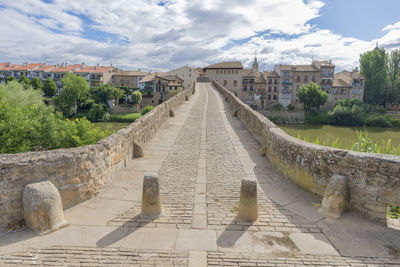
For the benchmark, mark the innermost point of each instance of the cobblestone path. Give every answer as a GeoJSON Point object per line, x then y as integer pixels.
{"type": "Point", "coordinates": [201, 155]}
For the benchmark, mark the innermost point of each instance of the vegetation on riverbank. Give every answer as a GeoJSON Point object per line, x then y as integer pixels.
{"type": "Point", "coordinates": [28, 124]}
{"type": "Point", "coordinates": [363, 144]}
{"type": "Point", "coordinates": [353, 112]}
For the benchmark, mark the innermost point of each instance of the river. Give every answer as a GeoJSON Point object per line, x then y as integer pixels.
{"type": "Point", "coordinates": [347, 135]}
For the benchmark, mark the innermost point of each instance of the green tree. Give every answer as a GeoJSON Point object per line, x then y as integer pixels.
{"type": "Point", "coordinates": [312, 96]}
{"type": "Point", "coordinates": [96, 112]}
{"type": "Point", "coordinates": [393, 92]}
{"type": "Point", "coordinates": [136, 98]}
{"type": "Point", "coordinates": [75, 90]}
{"type": "Point", "coordinates": [49, 87]}
{"type": "Point", "coordinates": [101, 93]}
{"type": "Point", "coordinates": [36, 83]}
{"type": "Point", "coordinates": [10, 79]}
{"type": "Point", "coordinates": [117, 94]}
{"type": "Point", "coordinates": [27, 124]}
{"type": "Point", "coordinates": [23, 79]}
{"type": "Point", "coordinates": [373, 65]}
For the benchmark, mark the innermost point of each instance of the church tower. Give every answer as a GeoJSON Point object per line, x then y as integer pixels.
{"type": "Point", "coordinates": [254, 67]}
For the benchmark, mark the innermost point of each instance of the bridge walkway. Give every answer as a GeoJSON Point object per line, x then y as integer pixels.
{"type": "Point", "coordinates": [201, 155]}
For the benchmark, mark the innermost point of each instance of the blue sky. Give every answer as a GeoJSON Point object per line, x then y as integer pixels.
{"type": "Point", "coordinates": [162, 35]}
{"type": "Point", "coordinates": [363, 19]}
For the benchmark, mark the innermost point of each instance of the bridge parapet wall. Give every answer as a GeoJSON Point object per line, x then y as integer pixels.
{"type": "Point", "coordinates": [78, 173]}
{"type": "Point", "coordinates": [373, 179]}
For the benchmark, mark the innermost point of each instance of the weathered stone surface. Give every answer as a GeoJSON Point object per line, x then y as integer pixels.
{"type": "Point", "coordinates": [43, 208]}
{"type": "Point", "coordinates": [248, 210]}
{"type": "Point", "coordinates": [78, 173]}
{"type": "Point", "coordinates": [374, 179]}
{"type": "Point", "coordinates": [151, 198]}
{"type": "Point", "coordinates": [137, 150]}
{"type": "Point", "coordinates": [335, 196]}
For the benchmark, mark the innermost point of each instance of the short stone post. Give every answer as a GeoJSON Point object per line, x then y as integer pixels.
{"type": "Point", "coordinates": [171, 113]}
{"type": "Point", "coordinates": [235, 113]}
{"type": "Point", "coordinates": [186, 98]}
{"type": "Point", "coordinates": [248, 210]}
{"type": "Point", "coordinates": [151, 199]}
{"type": "Point", "coordinates": [137, 150]}
{"type": "Point", "coordinates": [43, 209]}
{"type": "Point", "coordinates": [334, 197]}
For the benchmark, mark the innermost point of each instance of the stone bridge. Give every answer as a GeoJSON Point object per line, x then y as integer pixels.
{"type": "Point", "coordinates": [201, 154]}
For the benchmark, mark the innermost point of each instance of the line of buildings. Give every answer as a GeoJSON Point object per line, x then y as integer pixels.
{"type": "Point", "coordinates": [264, 90]}
{"type": "Point", "coordinates": [160, 83]}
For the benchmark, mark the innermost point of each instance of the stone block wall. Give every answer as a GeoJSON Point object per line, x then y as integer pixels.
{"type": "Point", "coordinates": [78, 173]}
{"type": "Point", "coordinates": [373, 179]}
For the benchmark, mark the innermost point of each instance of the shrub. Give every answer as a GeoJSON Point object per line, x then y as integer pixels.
{"type": "Point", "coordinates": [130, 117]}
{"type": "Point", "coordinates": [278, 107]}
{"type": "Point", "coordinates": [393, 119]}
{"type": "Point", "coordinates": [377, 120]}
{"type": "Point", "coordinates": [290, 107]}
{"type": "Point", "coordinates": [381, 109]}
{"type": "Point", "coordinates": [393, 212]}
{"type": "Point", "coordinates": [318, 118]}
{"type": "Point", "coordinates": [96, 112]}
{"type": "Point", "coordinates": [27, 124]}
{"type": "Point", "coordinates": [348, 112]}
{"type": "Point", "coordinates": [146, 109]}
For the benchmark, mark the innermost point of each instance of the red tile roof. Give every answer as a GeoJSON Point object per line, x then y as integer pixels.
{"type": "Point", "coordinates": [46, 68]}
{"type": "Point", "coordinates": [101, 69]}
{"type": "Point", "coordinates": [69, 68]}
{"type": "Point", "coordinates": [3, 63]}
{"type": "Point", "coordinates": [87, 69]}
{"type": "Point", "coordinates": [28, 67]}
{"type": "Point", "coordinates": [10, 67]}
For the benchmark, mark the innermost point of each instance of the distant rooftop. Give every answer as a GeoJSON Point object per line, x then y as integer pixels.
{"type": "Point", "coordinates": [226, 65]}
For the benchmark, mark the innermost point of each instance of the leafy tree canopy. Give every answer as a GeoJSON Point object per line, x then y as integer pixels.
{"type": "Point", "coordinates": [36, 83]}
{"type": "Point", "coordinates": [49, 87]}
{"type": "Point", "coordinates": [312, 96]}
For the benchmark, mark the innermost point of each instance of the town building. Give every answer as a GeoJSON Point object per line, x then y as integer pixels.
{"type": "Point", "coordinates": [163, 85]}
{"type": "Point", "coordinates": [129, 79]}
{"type": "Point", "coordinates": [187, 74]}
{"type": "Point", "coordinates": [294, 76]}
{"type": "Point", "coordinates": [228, 74]}
{"type": "Point", "coordinates": [355, 80]}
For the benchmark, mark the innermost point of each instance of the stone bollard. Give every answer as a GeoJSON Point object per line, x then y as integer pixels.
{"type": "Point", "coordinates": [334, 197]}
{"type": "Point", "coordinates": [235, 113]}
{"type": "Point", "coordinates": [186, 98]}
{"type": "Point", "coordinates": [171, 113]}
{"type": "Point", "coordinates": [151, 199]}
{"type": "Point", "coordinates": [248, 210]}
{"type": "Point", "coordinates": [137, 150]}
{"type": "Point", "coordinates": [43, 209]}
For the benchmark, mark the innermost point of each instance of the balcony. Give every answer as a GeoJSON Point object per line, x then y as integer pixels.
{"type": "Point", "coordinates": [286, 83]}
{"type": "Point", "coordinates": [327, 75]}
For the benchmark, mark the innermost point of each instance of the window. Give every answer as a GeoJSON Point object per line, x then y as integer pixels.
{"type": "Point", "coordinates": [270, 81]}
{"type": "Point", "coordinates": [286, 74]}
{"type": "Point", "coordinates": [229, 72]}
{"type": "Point", "coordinates": [313, 78]}
{"type": "Point", "coordinates": [275, 89]}
{"type": "Point", "coordinates": [251, 87]}
{"type": "Point", "coordinates": [276, 81]}
{"type": "Point", "coordinates": [298, 79]}
{"type": "Point", "coordinates": [306, 78]}
{"type": "Point", "coordinates": [234, 83]}
{"type": "Point", "coordinates": [269, 97]}
{"type": "Point", "coordinates": [176, 87]}
{"type": "Point", "coordinates": [225, 83]}
{"type": "Point", "coordinates": [269, 88]}
{"type": "Point", "coordinates": [297, 86]}
{"type": "Point", "coordinates": [217, 71]}
{"type": "Point", "coordinates": [236, 72]}
{"type": "Point", "coordinates": [274, 97]}
{"type": "Point", "coordinates": [224, 71]}
{"type": "Point", "coordinates": [245, 88]}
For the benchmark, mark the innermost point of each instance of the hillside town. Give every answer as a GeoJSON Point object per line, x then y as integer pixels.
{"type": "Point", "coordinates": [261, 90]}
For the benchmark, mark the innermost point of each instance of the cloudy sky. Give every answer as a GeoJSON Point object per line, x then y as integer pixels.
{"type": "Point", "coordinates": [162, 35]}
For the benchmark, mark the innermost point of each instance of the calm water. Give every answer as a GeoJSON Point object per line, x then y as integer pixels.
{"type": "Point", "coordinates": [347, 135]}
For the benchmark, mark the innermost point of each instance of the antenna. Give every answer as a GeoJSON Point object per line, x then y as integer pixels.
{"type": "Point", "coordinates": [312, 58]}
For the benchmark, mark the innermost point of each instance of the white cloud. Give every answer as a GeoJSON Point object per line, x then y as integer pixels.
{"type": "Point", "coordinates": [143, 34]}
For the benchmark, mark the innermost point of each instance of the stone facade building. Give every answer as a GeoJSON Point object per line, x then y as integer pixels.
{"type": "Point", "coordinates": [187, 74]}
{"type": "Point", "coordinates": [129, 79]}
{"type": "Point", "coordinates": [228, 74]}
